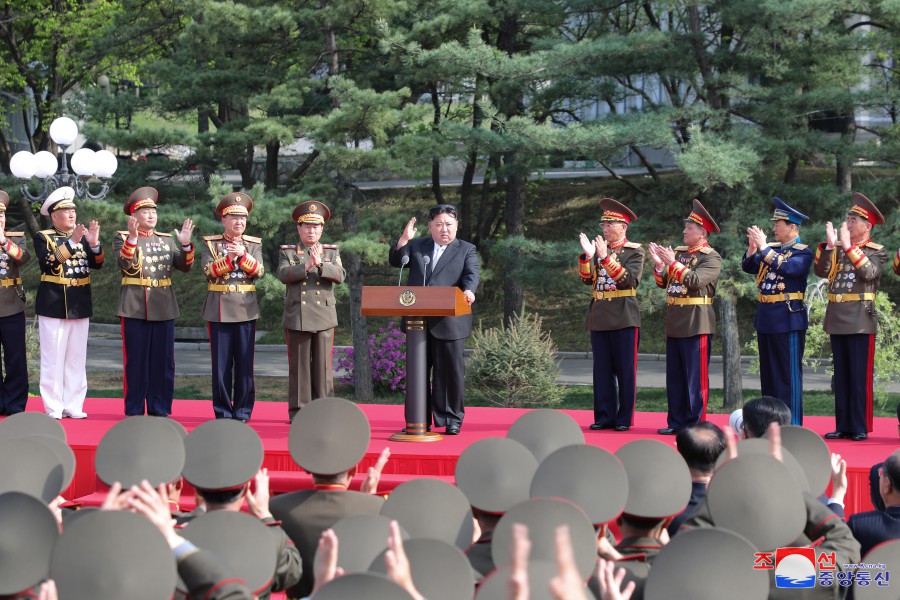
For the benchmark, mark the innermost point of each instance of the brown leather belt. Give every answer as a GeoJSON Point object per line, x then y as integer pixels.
{"type": "Point", "coordinates": [698, 300]}
{"type": "Point", "coordinates": [614, 294]}
{"type": "Point", "coordinates": [146, 282]}
{"type": "Point", "coordinates": [772, 298]}
{"type": "Point", "coordinates": [851, 297]}
{"type": "Point", "coordinates": [66, 280]}
{"type": "Point", "coordinates": [10, 282]}
{"type": "Point", "coordinates": [230, 288]}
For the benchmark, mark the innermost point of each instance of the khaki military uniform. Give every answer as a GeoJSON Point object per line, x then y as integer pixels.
{"type": "Point", "coordinates": [310, 316]}
{"type": "Point", "coordinates": [14, 387]}
{"type": "Point", "coordinates": [231, 310]}
{"type": "Point", "coordinates": [148, 308]}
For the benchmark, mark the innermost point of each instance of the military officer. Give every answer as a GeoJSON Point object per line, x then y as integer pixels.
{"type": "Point", "coordinates": [13, 254]}
{"type": "Point", "coordinates": [612, 266]}
{"type": "Point", "coordinates": [852, 262]}
{"type": "Point", "coordinates": [310, 269]}
{"type": "Point", "coordinates": [232, 262]}
{"type": "Point", "coordinates": [689, 275]}
{"type": "Point", "coordinates": [147, 304]}
{"type": "Point", "coordinates": [66, 254]}
{"type": "Point", "coordinates": [781, 271]}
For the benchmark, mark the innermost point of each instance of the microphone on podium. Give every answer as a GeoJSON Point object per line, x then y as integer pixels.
{"type": "Point", "coordinates": [403, 262]}
{"type": "Point", "coordinates": [425, 259]}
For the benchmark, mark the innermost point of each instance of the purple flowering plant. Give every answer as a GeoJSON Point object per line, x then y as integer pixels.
{"type": "Point", "coordinates": [387, 356]}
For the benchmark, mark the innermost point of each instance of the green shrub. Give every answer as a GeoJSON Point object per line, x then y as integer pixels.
{"type": "Point", "coordinates": [514, 366]}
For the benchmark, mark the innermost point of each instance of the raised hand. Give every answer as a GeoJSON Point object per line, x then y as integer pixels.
{"type": "Point", "coordinates": [235, 250]}
{"type": "Point", "coordinates": [258, 499]}
{"type": "Point", "coordinates": [132, 228]}
{"type": "Point", "coordinates": [93, 234]}
{"type": "Point", "coordinates": [315, 257]}
{"type": "Point", "coordinates": [373, 475]}
{"type": "Point", "coordinates": [830, 235]}
{"type": "Point", "coordinates": [587, 247]}
{"type": "Point", "coordinates": [409, 232]}
{"type": "Point", "coordinates": [845, 236]}
{"type": "Point", "coordinates": [602, 248]}
{"type": "Point", "coordinates": [184, 235]}
{"type": "Point", "coordinates": [666, 255]}
{"type": "Point", "coordinates": [654, 254]}
{"type": "Point", "coordinates": [78, 233]}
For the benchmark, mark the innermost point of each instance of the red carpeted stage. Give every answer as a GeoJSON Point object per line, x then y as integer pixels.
{"type": "Point", "coordinates": [435, 459]}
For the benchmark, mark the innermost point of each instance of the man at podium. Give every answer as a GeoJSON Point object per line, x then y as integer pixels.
{"type": "Point", "coordinates": [442, 260]}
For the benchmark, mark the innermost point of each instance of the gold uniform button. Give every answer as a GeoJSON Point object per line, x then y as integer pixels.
{"type": "Point", "coordinates": [317, 293]}
{"type": "Point", "coordinates": [304, 302]}
{"type": "Point", "coordinates": [302, 292]}
{"type": "Point", "coordinates": [304, 283]}
{"type": "Point", "coordinates": [317, 302]}
{"type": "Point", "coordinates": [318, 283]}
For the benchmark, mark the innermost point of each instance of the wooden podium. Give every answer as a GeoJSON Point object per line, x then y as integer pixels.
{"type": "Point", "coordinates": [415, 303]}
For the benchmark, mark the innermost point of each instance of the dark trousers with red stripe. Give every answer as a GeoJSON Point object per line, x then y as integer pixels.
{"type": "Point", "coordinates": [148, 348]}
{"type": "Point", "coordinates": [14, 387]}
{"type": "Point", "coordinates": [854, 369]}
{"type": "Point", "coordinates": [231, 347]}
{"type": "Point", "coordinates": [781, 369]}
{"type": "Point", "coordinates": [615, 375]}
{"type": "Point", "coordinates": [687, 379]}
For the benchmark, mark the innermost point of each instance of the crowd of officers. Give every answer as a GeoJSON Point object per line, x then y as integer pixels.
{"type": "Point", "coordinates": [848, 258]}
{"type": "Point", "coordinates": [232, 263]}
{"type": "Point", "coordinates": [535, 514]}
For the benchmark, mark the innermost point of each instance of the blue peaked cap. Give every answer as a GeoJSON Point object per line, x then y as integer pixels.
{"type": "Point", "coordinates": [783, 212]}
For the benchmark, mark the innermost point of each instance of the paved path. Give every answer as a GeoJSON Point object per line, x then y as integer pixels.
{"type": "Point", "coordinates": [194, 359]}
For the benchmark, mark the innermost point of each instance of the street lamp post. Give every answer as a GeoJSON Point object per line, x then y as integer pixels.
{"type": "Point", "coordinates": [85, 163]}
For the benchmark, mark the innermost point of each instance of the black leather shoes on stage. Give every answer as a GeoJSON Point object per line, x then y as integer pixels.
{"type": "Point", "coordinates": [858, 437]}
{"type": "Point", "coordinates": [598, 426]}
{"type": "Point", "coordinates": [452, 430]}
{"type": "Point", "coordinates": [667, 431]}
{"type": "Point", "coordinates": [836, 435]}
{"type": "Point", "coordinates": [622, 428]}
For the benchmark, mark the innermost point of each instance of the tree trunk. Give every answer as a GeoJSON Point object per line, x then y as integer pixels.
{"type": "Point", "coordinates": [272, 149]}
{"type": "Point", "coordinates": [731, 349]}
{"type": "Point", "coordinates": [436, 160]}
{"type": "Point", "coordinates": [514, 220]}
{"type": "Point", "coordinates": [846, 154]}
{"type": "Point", "coordinates": [245, 167]}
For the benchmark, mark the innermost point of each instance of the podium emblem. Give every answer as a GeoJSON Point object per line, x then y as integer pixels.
{"type": "Point", "coordinates": [407, 298]}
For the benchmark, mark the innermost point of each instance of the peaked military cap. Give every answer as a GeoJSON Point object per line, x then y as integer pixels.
{"type": "Point", "coordinates": [25, 424]}
{"type": "Point", "coordinates": [28, 531]}
{"type": "Point", "coordinates": [329, 436]}
{"type": "Point", "coordinates": [433, 509]}
{"type": "Point", "coordinates": [311, 211]}
{"type": "Point", "coordinates": [235, 203]}
{"type": "Point", "coordinates": [495, 474]}
{"type": "Point", "coordinates": [756, 496]}
{"type": "Point", "coordinates": [28, 466]}
{"type": "Point", "coordinates": [783, 212]}
{"type": "Point", "coordinates": [140, 447]}
{"type": "Point", "coordinates": [370, 586]}
{"type": "Point", "coordinates": [761, 446]}
{"type": "Point", "coordinates": [361, 538]}
{"type": "Point", "coordinates": [61, 197]}
{"type": "Point", "coordinates": [440, 571]}
{"type": "Point", "coordinates": [811, 452]}
{"type": "Point", "coordinates": [496, 585]}
{"type": "Point", "coordinates": [659, 482]}
{"type": "Point", "coordinates": [241, 542]}
{"type": "Point", "coordinates": [863, 207]}
{"type": "Point", "coordinates": [616, 211]}
{"type": "Point", "coordinates": [222, 454]}
{"type": "Point", "coordinates": [64, 455]}
{"type": "Point", "coordinates": [887, 554]}
{"type": "Point", "coordinates": [543, 431]}
{"type": "Point", "coordinates": [725, 571]}
{"type": "Point", "coordinates": [112, 553]}
{"type": "Point", "coordinates": [542, 516]}
{"type": "Point", "coordinates": [589, 477]}
{"type": "Point", "coordinates": [144, 197]}
{"type": "Point", "coordinates": [701, 217]}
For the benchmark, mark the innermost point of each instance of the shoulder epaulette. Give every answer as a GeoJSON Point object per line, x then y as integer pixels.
{"type": "Point", "coordinates": [288, 247]}
{"type": "Point", "coordinates": [681, 248]}
{"type": "Point", "coordinates": [212, 238]}
{"type": "Point", "coordinates": [774, 244]}
{"type": "Point", "coordinates": [632, 245]}
{"type": "Point", "coordinates": [252, 239]}
{"type": "Point", "coordinates": [874, 246]}
{"type": "Point", "coordinates": [329, 246]}
{"type": "Point", "coordinates": [705, 249]}
{"type": "Point", "coordinates": [15, 234]}
{"type": "Point", "coordinates": [801, 246]}
{"type": "Point", "coordinates": [160, 234]}
{"type": "Point", "coordinates": [47, 232]}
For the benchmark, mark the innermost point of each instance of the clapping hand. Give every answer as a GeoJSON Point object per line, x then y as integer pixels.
{"type": "Point", "coordinates": [587, 247]}
{"type": "Point", "coordinates": [93, 234]}
{"type": "Point", "coordinates": [184, 235]}
{"type": "Point", "coordinates": [830, 235]}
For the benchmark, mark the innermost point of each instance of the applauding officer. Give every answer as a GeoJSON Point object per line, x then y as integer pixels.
{"type": "Point", "coordinates": [310, 270]}
{"type": "Point", "coordinates": [612, 266]}
{"type": "Point", "coordinates": [852, 262]}
{"type": "Point", "coordinates": [781, 271]}
{"type": "Point", "coordinates": [232, 262]}
{"type": "Point", "coordinates": [147, 304]}
{"type": "Point", "coordinates": [689, 275]}
{"type": "Point", "coordinates": [13, 254]}
{"type": "Point", "coordinates": [66, 254]}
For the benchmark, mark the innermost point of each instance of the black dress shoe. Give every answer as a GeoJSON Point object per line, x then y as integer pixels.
{"type": "Point", "coordinates": [836, 435]}
{"type": "Point", "coordinates": [858, 437]}
{"type": "Point", "coordinates": [622, 428]}
{"type": "Point", "coordinates": [597, 426]}
{"type": "Point", "coordinates": [452, 430]}
{"type": "Point", "coordinates": [667, 431]}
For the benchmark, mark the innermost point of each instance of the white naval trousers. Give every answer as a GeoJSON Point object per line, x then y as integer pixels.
{"type": "Point", "coordinates": [63, 360]}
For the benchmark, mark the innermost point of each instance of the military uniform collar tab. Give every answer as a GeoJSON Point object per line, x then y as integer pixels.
{"type": "Point", "coordinates": [698, 247]}
{"type": "Point", "coordinates": [619, 244]}
{"type": "Point", "coordinates": [146, 232]}
{"type": "Point", "coordinates": [792, 243]}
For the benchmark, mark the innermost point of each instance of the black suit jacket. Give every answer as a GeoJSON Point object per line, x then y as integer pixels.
{"type": "Point", "coordinates": [458, 267]}
{"type": "Point", "coordinates": [873, 527]}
